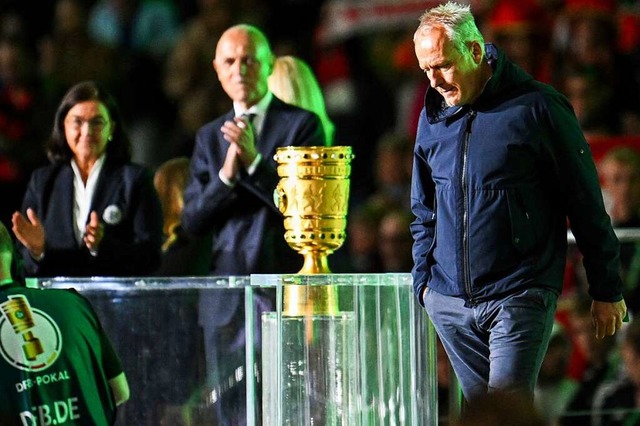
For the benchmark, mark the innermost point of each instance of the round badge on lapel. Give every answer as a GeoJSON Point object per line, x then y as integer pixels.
{"type": "Point", "coordinates": [112, 215]}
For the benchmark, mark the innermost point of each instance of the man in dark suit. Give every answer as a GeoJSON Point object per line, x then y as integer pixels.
{"type": "Point", "coordinates": [233, 177]}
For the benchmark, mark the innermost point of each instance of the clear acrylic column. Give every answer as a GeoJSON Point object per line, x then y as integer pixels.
{"type": "Point", "coordinates": [367, 360]}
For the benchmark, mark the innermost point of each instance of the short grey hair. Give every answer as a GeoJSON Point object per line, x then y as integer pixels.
{"type": "Point", "coordinates": [457, 21]}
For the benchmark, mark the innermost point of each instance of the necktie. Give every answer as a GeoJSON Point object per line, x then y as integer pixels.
{"type": "Point", "coordinates": [249, 117]}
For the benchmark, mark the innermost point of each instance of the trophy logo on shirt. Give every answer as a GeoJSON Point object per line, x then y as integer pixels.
{"type": "Point", "coordinates": [29, 338]}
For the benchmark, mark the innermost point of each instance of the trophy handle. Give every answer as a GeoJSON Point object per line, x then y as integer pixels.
{"type": "Point", "coordinates": [280, 198]}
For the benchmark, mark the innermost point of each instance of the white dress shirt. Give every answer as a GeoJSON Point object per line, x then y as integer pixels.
{"type": "Point", "coordinates": [82, 196]}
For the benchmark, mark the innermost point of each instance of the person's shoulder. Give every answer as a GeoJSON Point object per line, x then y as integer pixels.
{"type": "Point", "coordinates": [44, 173]}
{"type": "Point", "coordinates": [70, 296]}
{"type": "Point", "coordinates": [47, 168]}
{"type": "Point", "coordinates": [279, 106]}
{"type": "Point", "coordinates": [216, 123]}
{"type": "Point", "coordinates": [549, 95]}
{"type": "Point", "coordinates": [69, 293]}
{"type": "Point", "coordinates": [545, 88]}
{"type": "Point", "coordinates": [63, 295]}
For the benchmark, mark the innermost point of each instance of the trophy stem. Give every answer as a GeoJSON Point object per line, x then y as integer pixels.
{"type": "Point", "coordinates": [315, 262]}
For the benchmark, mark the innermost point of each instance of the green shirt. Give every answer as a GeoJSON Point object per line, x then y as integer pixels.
{"type": "Point", "coordinates": [55, 359]}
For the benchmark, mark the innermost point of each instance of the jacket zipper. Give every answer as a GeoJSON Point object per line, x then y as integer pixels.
{"type": "Point", "coordinates": [465, 210]}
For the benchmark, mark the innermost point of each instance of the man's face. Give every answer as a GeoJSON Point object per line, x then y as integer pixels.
{"type": "Point", "coordinates": [455, 75]}
{"type": "Point", "coordinates": [243, 64]}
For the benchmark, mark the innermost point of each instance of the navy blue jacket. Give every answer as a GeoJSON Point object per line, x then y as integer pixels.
{"type": "Point", "coordinates": [248, 229]}
{"type": "Point", "coordinates": [131, 245]}
{"type": "Point", "coordinates": [493, 185]}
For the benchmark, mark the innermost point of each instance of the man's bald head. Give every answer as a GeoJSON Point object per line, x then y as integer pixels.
{"type": "Point", "coordinates": [259, 38]}
{"type": "Point", "coordinates": [244, 62]}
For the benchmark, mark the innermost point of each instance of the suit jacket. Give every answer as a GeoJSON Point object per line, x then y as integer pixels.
{"type": "Point", "coordinates": [131, 245]}
{"type": "Point", "coordinates": [247, 226]}
{"type": "Point", "coordinates": [248, 229]}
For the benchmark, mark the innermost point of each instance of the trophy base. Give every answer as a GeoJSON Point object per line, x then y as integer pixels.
{"type": "Point", "coordinates": [304, 300]}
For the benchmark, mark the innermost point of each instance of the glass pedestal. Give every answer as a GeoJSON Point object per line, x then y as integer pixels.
{"type": "Point", "coordinates": [347, 350]}
{"type": "Point", "coordinates": [363, 355]}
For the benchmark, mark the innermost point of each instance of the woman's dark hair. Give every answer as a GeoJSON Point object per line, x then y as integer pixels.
{"type": "Point", "coordinates": [118, 149]}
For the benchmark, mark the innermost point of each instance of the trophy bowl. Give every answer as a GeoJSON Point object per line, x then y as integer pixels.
{"type": "Point", "coordinates": [313, 196]}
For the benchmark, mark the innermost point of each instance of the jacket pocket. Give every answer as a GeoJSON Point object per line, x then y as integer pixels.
{"type": "Point", "coordinates": [523, 235]}
{"type": "Point", "coordinates": [430, 259]}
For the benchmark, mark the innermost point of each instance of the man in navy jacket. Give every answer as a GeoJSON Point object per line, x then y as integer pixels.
{"type": "Point", "coordinates": [500, 164]}
{"type": "Point", "coordinates": [230, 193]}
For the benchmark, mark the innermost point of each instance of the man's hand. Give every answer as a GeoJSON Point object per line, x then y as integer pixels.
{"type": "Point", "coordinates": [231, 164]}
{"type": "Point", "coordinates": [94, 233]}
{"type": "Point", "coordinates": [240, 133]}
{"type": "Point", "coordinates": [29, 231]}
{"type": "Point", "coordinates": [607, 317]}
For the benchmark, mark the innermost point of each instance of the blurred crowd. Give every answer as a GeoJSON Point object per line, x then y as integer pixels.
{"type": "Point", "coordinates": [155, 56]}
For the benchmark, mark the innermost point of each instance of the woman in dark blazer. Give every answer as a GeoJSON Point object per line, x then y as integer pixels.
{"type": "Point", "coordinates": [91, 212]}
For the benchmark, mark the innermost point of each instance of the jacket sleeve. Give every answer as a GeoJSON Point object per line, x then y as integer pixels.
{"type": "Point", "coordinates": [206, 197]}
{"type": "Point", "coordinates": [424, 225]}
{"type": "Point", "coordinates": [587, 216]}
{"type": "Point", "coordinates": [58, 254]}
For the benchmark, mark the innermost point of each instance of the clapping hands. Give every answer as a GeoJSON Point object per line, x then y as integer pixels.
{"type": "Point", "coordinates": [242, 150]}
{"type": "Point", "coordinates": [30, 232]}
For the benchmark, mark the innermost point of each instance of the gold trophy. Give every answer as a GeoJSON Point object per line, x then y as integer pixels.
{"type": "Point", "coordinates": [313, 196]}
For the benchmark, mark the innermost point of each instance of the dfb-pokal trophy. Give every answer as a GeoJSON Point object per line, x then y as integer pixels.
{"type": "Point", "coordinates": [315, 376]}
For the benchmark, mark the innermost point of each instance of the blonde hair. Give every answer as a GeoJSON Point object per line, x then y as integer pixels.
{"type": "Point", "coordinates": [170, 181]}
{"type": "Point", "coordinates": [294, 82]}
